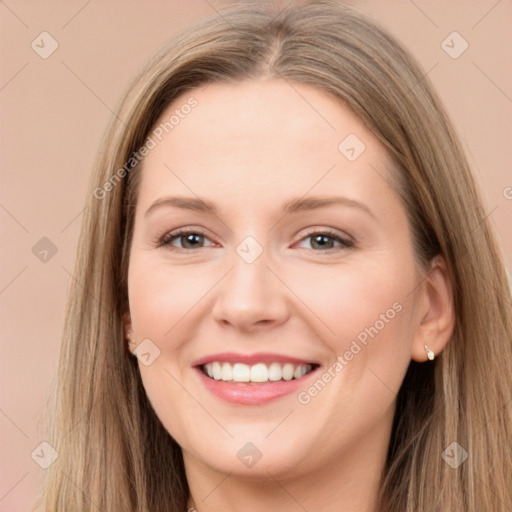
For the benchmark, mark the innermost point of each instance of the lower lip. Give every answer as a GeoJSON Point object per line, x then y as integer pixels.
{"type": "Point", "coordinates": [252, 394]}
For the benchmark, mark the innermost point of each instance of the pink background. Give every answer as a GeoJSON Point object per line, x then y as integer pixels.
{"type": "Point", "coordinates": [54, 112]}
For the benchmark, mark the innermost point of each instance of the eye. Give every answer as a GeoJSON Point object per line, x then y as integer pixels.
{"type": "Point", "coordinates": [325, 240]}
{"type": "Point", "coordinates": [188, 239]}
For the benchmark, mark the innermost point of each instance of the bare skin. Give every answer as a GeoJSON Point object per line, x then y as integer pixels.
{"type": "Point", "coordinates": [249, 149]}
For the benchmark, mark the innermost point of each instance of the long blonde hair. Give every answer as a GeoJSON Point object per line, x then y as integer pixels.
{"type": "Point", "coordinates": [114, 454]}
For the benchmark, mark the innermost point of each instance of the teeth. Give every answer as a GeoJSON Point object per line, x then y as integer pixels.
{"type": "Point", "coordinates": [227, 372]}
{"type": "Point", "coordinates": [217, 372]}
{"type": "Point", "coordinates": [274, 372]}
{"type": "Point", "coordinates": [299, 371]}
{"type": "Point", "coordinates": [241, 372]}
{"type": "Point", "coordinates": [260, 372]}
{"type": "Point", "coordinates": [288, 371]}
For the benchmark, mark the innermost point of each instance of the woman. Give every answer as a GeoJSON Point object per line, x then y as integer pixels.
{"type": "Point", "coordinates": [287, 294]}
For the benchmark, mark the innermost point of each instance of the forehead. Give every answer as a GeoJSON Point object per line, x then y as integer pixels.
{"type": "Point", "coordinates": [229, 114]}
{"type": "Point", "coordinates": [275, 134]}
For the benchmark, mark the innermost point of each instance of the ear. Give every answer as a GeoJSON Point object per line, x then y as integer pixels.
{"type": "Point", "coordinates": [436, 313]}
{"type": "Point", "coordinates": [128, 331]}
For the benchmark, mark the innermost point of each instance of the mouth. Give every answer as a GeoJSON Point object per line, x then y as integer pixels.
{"type": "Point", "coordinates": [257, 373]}
{"type": "Point", "coordinates": [255, 379]}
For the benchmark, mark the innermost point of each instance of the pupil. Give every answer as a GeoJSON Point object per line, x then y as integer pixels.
{"type": "Point", "coordinates": [318, 239]}
{"type": "Point", "coordinates": [190, 238]}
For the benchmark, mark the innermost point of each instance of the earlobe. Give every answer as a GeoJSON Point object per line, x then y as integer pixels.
{"type": "Point", "coordinates": [128, 331]}
{"type": "Point", "coordinates": [430, 354]}
{"type": "Point", "coordinates": [436, 319]}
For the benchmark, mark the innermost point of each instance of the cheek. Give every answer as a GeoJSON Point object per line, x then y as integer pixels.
{"type": "Point", "coordinates": [349, 299]}
{"type": "Point", "coordinates": [366, 319]}
{"type": "Point", "coordinates": [162, 294]}
{"type": "Point", "coordinates": [375, 327]}
{"type": "Point", "coordinates": [162, 298]}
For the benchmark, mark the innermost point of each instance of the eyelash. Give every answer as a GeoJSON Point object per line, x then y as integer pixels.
{"type": "Point", "coordinates": [168, 238]}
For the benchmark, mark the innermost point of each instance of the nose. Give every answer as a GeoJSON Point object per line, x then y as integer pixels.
{"type": "Point", "coordinates": [251, 297]}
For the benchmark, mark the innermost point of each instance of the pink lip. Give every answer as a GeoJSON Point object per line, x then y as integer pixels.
{"type": "Point", "coordinates": [251, 393]}
{"type": "Point", "coordinates": [250, 359]}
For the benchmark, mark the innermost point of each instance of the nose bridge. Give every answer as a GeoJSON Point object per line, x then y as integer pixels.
{"type": "Point", "coordinates": [250, 293]}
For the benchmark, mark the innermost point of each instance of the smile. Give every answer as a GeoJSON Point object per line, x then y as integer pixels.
{"type": "Point", "coordinates": [257, 373]}
{"type": "Point", "coordinates": [255, 379]}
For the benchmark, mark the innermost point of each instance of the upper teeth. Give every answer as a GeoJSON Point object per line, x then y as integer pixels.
{"type": "Point", "coordinates": [260, 372]}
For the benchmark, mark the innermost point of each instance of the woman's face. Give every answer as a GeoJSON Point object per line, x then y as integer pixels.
{"type": "Point", "coordinates": [269, 241]}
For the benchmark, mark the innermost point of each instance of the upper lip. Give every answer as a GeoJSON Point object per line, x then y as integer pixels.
{"type": "Point", "coordinates": [250, 359]}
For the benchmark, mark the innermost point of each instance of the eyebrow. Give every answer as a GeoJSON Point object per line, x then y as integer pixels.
{"type": "Point", "coordinates": [292, 206]}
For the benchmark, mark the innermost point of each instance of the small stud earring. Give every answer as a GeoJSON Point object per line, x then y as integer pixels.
{"type": "Point", "coordinates": [430, 354]}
